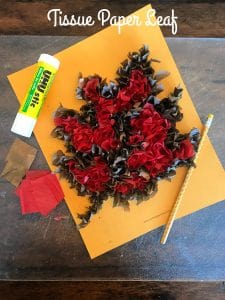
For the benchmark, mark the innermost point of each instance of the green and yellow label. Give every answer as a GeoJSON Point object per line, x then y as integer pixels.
{"type": "Point", "coordinates": [38, 90]}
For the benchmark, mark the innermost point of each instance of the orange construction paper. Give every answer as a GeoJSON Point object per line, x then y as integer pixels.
{"type": "Point", "coordinates": [102, 53]}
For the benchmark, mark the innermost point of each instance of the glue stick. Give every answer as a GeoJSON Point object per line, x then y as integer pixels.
{"type": "Point", "coordinates": [27, 115]}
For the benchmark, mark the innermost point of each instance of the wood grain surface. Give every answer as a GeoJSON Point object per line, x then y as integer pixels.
{"type": "Point", "coordinates": [135, 290]}
{"type": "Point", "coordinates": [195, 18]}
{"type": "Point", "coordinates": [33, 247]}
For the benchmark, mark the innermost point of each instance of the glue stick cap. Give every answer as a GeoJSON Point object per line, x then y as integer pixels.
{"type": "Point", "coordinates": [23, 125]}
{"type": "Point", "coordinates": [49, 59]}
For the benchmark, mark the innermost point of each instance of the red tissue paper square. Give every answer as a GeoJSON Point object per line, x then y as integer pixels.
{"type": "Point", "coordinates": [39, 191]}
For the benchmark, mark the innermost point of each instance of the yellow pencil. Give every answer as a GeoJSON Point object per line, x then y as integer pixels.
{"type": "Point", "coordinates": [185, 183]}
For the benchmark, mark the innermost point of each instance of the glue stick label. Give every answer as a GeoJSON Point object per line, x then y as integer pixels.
{"type": "Point", "coordinates": [38, 90]}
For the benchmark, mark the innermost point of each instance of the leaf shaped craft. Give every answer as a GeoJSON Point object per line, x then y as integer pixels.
{"type": "Point", "coordinates": [124, 139]}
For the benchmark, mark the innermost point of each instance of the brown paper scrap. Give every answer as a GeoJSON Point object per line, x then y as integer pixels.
{"type": "Point", "coordinates": [18, 161]}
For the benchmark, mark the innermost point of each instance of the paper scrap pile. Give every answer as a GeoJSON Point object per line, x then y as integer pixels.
{"type": "Point", "coordinates": [39, 192]}
{"type": "Point", "coordinates": [18, 161]}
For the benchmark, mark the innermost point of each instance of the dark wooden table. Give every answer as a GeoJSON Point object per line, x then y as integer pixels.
{"type": "Point", "coordinates": [33, 247]}
{"type": "Point", "coordinates": [202, 18]}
